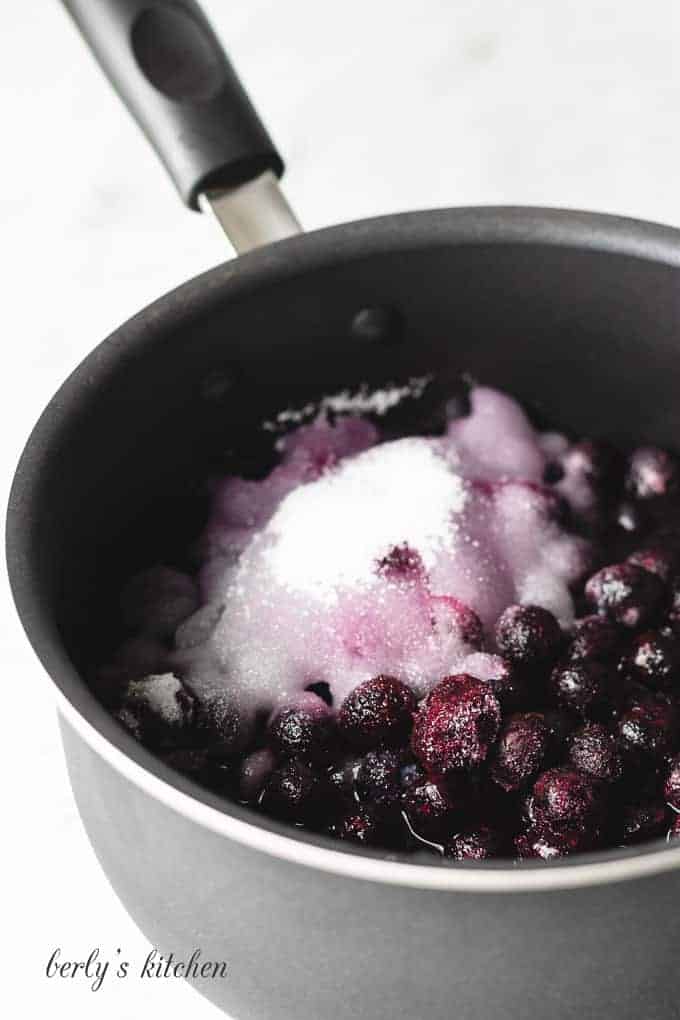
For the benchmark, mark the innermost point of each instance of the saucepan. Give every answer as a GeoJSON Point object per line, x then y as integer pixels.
{"type": "Point", "coordinates": [576, 314]}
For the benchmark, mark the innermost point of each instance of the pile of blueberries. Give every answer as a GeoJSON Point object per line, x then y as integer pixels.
{"type": "Point", "coordinates": [573, 746]}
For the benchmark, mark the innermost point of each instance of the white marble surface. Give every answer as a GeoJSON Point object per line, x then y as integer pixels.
{"type": "Point", "coordinates": [378, 105]}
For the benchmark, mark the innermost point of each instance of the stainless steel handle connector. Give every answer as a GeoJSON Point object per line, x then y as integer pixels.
{"type": "Point", "coordinates": [252, 214]}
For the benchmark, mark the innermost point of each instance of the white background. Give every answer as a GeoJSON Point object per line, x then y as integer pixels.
{"type": "Point", "coordinates": [378, 106]}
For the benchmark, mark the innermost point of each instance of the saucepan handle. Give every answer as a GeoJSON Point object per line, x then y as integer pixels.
{"type": "Point", "coordinates": [169, 68]}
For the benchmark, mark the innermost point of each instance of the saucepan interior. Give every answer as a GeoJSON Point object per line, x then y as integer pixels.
{"type": "Point", "coordinates": [576, 315]}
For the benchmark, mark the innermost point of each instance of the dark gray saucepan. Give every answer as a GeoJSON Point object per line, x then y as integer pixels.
{"type": "Point", "coordinates": [576, 314]}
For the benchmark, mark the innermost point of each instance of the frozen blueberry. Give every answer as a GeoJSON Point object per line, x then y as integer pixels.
{"type": "Point", "coordinates": [528, 635]}
{"type": "Point", "coordinates": [163, 709]}
{"type": "Point", "coordinates": [341, 775]}
{"type": "Point", "coordinates": [291, 792]}
{"type": "Point", "coordinates": [221, 725]}
{"type": "Point", "coordinates": [429, 807]}
{"type": "Point", "coordinates": [651, 472]}
{"type": "Point", "coordinates": [378, 778]}
{"type": "Point", "coordinates": [659, 560]}
{"type": "Point", "coordinates": [671, 790]}
{"type": "Point", "coordinates": [643, 820]}
{"type": "Point", "coordinates": [579, 686]}
{"type": "Point", "coordinates": [474, 845]}
{"type": "Point", "coordinates": [157, 600]}
{"type": "Point", "coordinates": [142, 655]}
{"type": "Point", "coordinates": [566, 798]}
{"type": "Point", "coordinates": [456, 725]}
{"type": "Point", "coordinates": [626, 593]}
{"type": "Point", "coordinates": [402, 563]}
{"type": "Point", "coordinates": [221, 776]}
{"type": "Point", "coordinates": [378, 711]}
{"type": "Point", "coordinates": [360, 824]}
{"type": "Point", "coordinates": [136, 658]}
{"type": "Point", "coordinates": [594, 461]}
{"type": "Point", "coordinates": [130, 721]}
{"type": "Point", "coordinates": [304, 728]}
{"type": "Point", "coordinates": [593, 637]}
{"type": "Point", "coordinates": [648, 729]}
{"type": "Point", "coordinates": [560, 726]}
{"type": "Point", "coordinates": [674, 606]}
{"type": "Point", "coordinates": [546, 843]}
{"type": "Point", "coordinates": [189, 761]}
{"type": "Point", "coordinates": [594, 750]}
{"type": "Point", "coordinates": [520, 751]}
{"type": "Point", "coordinates": [654, 660]}
{"type": "Point", "coordinates": [449, 614]}
{"type": "Point", "coordinates": [510, 683]}
{"type": "Point", "coordinates": [253, 772]}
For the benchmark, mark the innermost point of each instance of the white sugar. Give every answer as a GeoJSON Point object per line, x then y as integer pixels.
{"type": "Point", "coordinates": [363, 400]}
{"type": "Point", "coordinates": [330, 533]}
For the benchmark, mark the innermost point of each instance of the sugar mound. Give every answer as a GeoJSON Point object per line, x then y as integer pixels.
{"type": "Point", "coordinates": [353, 557]}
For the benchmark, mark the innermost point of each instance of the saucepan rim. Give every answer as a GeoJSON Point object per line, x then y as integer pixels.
{"type": "Point", "coordinates": [401, 232]}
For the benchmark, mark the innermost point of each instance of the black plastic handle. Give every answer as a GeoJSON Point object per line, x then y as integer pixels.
{"type": "Point", "coordinates": [167, 65]}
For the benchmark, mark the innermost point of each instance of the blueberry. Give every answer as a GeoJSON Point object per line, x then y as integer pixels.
{"type": "Point", "coordinates": [626, 593]}
{"type": "Point", "coordinates": [594, 461]}
{"type": "Point", "coordinates": [643, 820]}
{"type": "Point", "coordinates": [450, 615]}
{"type": "Point", "coordinates": [378, 778]}
{"type": "Point", "coordinates": [671, 790]}
{"type": "Point", "coordinates": [360, 824]}
{"type": "Point", "coordinates": [510, 682]}
{"type": "Point", "coordinates": [528, 635]}
{"type": "Point", "coordinates": [594, 750]}
{"type": "Point", "coordinates": [651, 472]}
{"type": "Point", "coordinates": [546, 843]}
{"type": "Point", "coordinates": [221, 776]}
{"type": "Point", "coordinates": [163, 710]}
{"type": "Point", "coordinates": [341, 775]}
{"type": "Point", "coordinates": [654, 660]}
{"type": "Point", "coordinates": [648, 729]}
{"type": "Point", "coordinates": [291, 792]}
{"type": "Point", "coordinates": [579, 686]}
{"type": "Point", "coordinates": [474, 845]}
{"type": "Point", "coordinates": [593, 637]}
{"type": "Point", "coordinates": [378, 711]}
{"type": "Point", "coordinates": [254, 770]}
{"type": "Point", "coordinates": [566, 798]}
{"type": "Point", "coordinates": [221, 725]}
{"type": "Point", "coordinates": [674, 607]}
{"type": "Point", "coordinates": [136, 658]}
{"type": "Point", "coordinates": [157, 600]}
{"type": "Point", "coordinates": [402, 563]}
{"type": "Point", "coordinates": [674, 831]}
{"type": "Point", "coordinates": [456, 725]}
{"type": "Point", "coordinates": [429, 807]}
{"type": "Point", "coordinates": [304, 728]}
{"type": "Point", "coordinates": [520, 751]}
{"type": "Point", "coordinates": [560, 726]}
{"type": "Point", "coordinates": [657, 560]}
{"type": "Point", "coordinates": [190, 761]}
